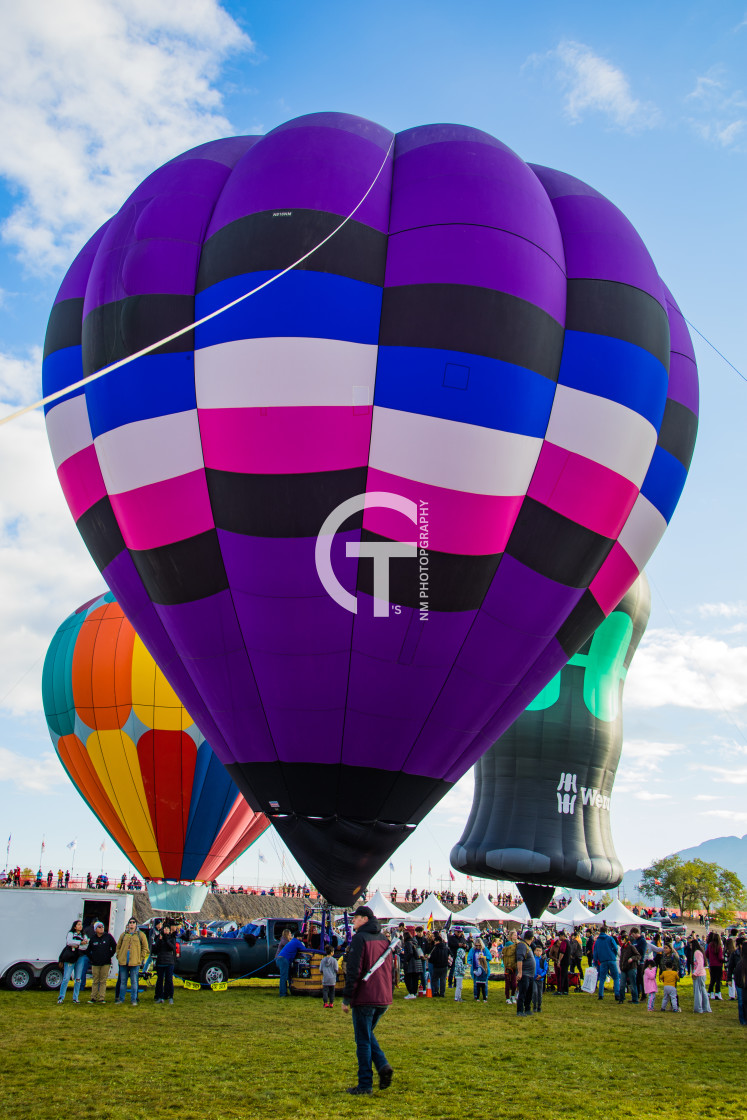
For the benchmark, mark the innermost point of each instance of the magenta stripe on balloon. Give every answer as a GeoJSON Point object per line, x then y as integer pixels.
{"type": "Point", "coordinates": [583, 491]}
{"type": "Point", "coordinates": [616, 575]}
{"type": "Point", "coordinates": [164, 512]}
{"type": "Point", "coordinates": [464, 524]}
{"type": "Point", "coordinates": [81, 481]}
{"type": "Point", "coordinates": [293, 440]}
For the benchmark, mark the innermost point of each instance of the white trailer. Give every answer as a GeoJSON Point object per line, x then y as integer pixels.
{"type": "Point", "coordinates": [34, 923]}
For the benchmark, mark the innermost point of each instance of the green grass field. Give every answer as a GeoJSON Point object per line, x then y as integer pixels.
{"type": "Point", "coordinates": [245, 1053]}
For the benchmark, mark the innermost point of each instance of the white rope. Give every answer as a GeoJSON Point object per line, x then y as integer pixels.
{"type": "Point", "coordinates": [199, 322]}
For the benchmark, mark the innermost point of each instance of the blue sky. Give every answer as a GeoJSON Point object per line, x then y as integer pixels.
{"type": "Point", "coordinates": [648, 103]}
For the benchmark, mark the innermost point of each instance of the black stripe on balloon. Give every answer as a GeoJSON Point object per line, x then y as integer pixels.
{"type": "Point", "coordinates": [453, 583]}
{"type": "Point", "coordinates": [322, 790]}
{"type": "Point", "coordinates": [182, 572]}
{"type": "Point", "coordinates": [679, 427]}
{"type": "Point", "coordinates": [555, 546]}
{"type": "Point", "coordinates": [474, 321]}
{"type": "Point", "coordinates": [581, 623]}
{"type": "Point", "coordinates": [101, 534]}
{"type": "Point", "coordinates": [64, 326]}
{"type": "Point", "coordinates": [619, 311]}
{"type": "Point", "coordinates": [282, 505]}
{"type": "Point", "coordinates": [116, 330]}
{"type": "Point", "coordinates": [274, 239]}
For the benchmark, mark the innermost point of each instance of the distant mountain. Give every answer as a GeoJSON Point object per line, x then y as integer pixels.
{"type": "Point", "coordinates": [727, 851]}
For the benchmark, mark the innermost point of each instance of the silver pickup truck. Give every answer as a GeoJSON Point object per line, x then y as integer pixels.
{"type": "Point", "coordinates": [213, 960]}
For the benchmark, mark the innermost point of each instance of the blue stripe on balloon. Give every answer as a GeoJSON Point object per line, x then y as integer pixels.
{"type": "Point", "coordinates": [156, 385]}
{"type": "Point", "coordinates": [617, 370]}
{"type": "Point", "coordinates": [63, 367]}
{"type": "Point", "coordinates": [57, 686]}
{"type": "Point", "coordinates": [664, 481]}
{"type": "Point", "coordinates": [213, 794]}
{"type": "Point", "coordinates": [299, 305]}
{"type": "Point", "coordinates": [467, 388]}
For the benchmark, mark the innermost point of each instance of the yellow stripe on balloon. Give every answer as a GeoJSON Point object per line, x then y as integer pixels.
{"type": "Point", "coordinates": [153, 699]}
{"type": "Point", "coordinates": [114, 757]}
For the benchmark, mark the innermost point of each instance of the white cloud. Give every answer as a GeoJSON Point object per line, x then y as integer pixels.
{"type": "Point", "coordinates": [95, 94]}
{"type": "Point", "coordinates": [734, 775]}
{"type": "Point", "coordinates": [687, 671]}
{"type": "Point", "coordinates": [706, 797]}
{"type": "Point", "coordinates": [647, 795]}
{"type": "Point", "coordinates": [35, 775]}
{"type": "Point", "coordinates": [720, 109]}
{"type": "Point", "coordinates": [594, 84]}
{"type": "Point", "coordinates": [45, 570]}
{"type": "Point", "coordinates": [723, 610]}
{"type": "Point", "coordinates": [726, 814]}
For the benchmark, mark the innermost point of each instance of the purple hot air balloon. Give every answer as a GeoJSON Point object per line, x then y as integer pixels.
{"type": "Point", "coordinates": [361, 518]}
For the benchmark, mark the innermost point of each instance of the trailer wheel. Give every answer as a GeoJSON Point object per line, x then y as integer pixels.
{"type": "Point", "coordinates": [213, 972]}
{"type": "Point", "coordinates": [51, 978]}
{"type": "Point", "coordinates": [19, 978]}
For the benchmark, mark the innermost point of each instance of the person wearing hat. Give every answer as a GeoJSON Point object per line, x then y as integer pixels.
{"type": "Point", "coordinates": [367, 994]}
{"type": "Point", "coordinates": [524, 974]}
{"type": "Point", "coordinates": [101, 948]}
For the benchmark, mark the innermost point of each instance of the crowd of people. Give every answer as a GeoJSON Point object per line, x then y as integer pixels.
{"type": "Point", "coordinates": [137, 952]}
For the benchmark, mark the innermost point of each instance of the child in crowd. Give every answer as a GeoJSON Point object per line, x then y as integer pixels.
{"type": "Point", "coordinates": [669, 978]}
{"type": "Point", "coordinates": [540, 972]}
{"type": "Point", "coordinates": [480, 975]}
{"type": "Point", "coordinates": [329, 968]}
{"type": "Point", "coordinates": [650, 983]}
{"type": "Point", "coordinates": [459, 962]}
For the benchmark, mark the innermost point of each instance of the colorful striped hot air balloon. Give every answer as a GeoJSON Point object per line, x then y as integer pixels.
{"type": "Point", "coordinates": [135, 754]}
{"type": "Point", "coordinates": [362, 517]}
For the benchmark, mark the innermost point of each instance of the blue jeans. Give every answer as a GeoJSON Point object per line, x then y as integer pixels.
{"type": "Point", "coordinates": [740, 1006]}
{"type": "Point", "coordinates": [629, 980]}
{"type": "Point", "coordinates": [700, 999]}
{"type": "Point", "coordinates": [608, 968]}
{"type": "Point", "coordinates": [284, 966]}
{"type": "Point", "coordinates": [76, 970]}
{"type": "Point", "coordinates": [128, 972]}
{"type": "Point", "coordinates": [367, 1048]}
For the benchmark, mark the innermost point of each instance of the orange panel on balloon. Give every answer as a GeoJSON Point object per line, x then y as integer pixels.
{"type": "Point", "coordinates": [81, 770]}
{"type": "Point", "coordinates": [167, 763]}
{"type": "Point", "coordinates": [101, 677]}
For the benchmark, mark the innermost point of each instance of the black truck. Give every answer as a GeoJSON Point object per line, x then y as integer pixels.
{"type": "Point", "coordinates": [213, 960]}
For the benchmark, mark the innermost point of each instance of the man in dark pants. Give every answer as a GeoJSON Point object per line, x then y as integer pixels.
{"type": "Point", "coordinates": [524, 973]}
{"type": "Point", "coordinates": [368, 994]}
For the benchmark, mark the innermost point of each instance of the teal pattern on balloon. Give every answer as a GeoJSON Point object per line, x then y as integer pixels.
{"type": "Point", "coordinates": [543, 792]}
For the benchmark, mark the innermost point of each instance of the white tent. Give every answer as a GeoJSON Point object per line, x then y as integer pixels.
{"type": "Point", "coordinates": [384, 908]}
{"type": "Point", "coordinates": [575, 914]}
{"type": "Point", "coordinates": [433, 906]}
{"type": "Point", "coordinates": [481, 910]}
{"type": "Point", "coordinates": [521, 915]}
{"type": "Point", "coordinates": [617, 915]}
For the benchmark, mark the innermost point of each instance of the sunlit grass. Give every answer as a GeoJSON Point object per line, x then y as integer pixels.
{"type": "Point", "coordinates": [245, 1053]}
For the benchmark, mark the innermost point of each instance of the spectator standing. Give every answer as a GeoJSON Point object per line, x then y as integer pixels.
{"type": "Point", "coordinates": [630, 958]}
{"type": "Point", "coordinates": [700, 996]}
{"type": "Point", "coordinates": [540, 975]}
{"type": "Point", "coordinates": [100, 951]}
{"type": "Point", "coordinates": [329, 968]}
{"type": "Point", "coordinates": [650, 983]}
{"type": "Point", "coordinates": [509, 966]}
{"type": "Point", "coordinates": [164, 951]}
{"type": "Point", "coordinates": [73, 960]}
{"type": "Point", "coordinates": [605, 958]}
{"type": "Point", "coordinates": [289, 949]}
{"type": "Point", "coordinates": [132, 949]}
{"type": "Point", "coordinates": [412, 964]}
{"type": "Point", "coordinates": [459, 969]}
{"type": "Point", "coordinates": [525, 974]}
{"type": "Point", "coordinates": [715, 958]}
{"type": "Point", "coordinates": [367, 994]}
{"type": "Point", "coordinates": [670, 978]}
{"type": "Point", "coordinates": [438, 961]}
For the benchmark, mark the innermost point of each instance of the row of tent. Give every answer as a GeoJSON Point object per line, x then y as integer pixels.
{"type": "Point", "coordinates": [483, 910]}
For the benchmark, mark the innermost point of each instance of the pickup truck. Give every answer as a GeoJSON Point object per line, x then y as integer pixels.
{"type": "Point", "coordinates": [213, 960]}
{"type": "Point", "coordinates": [672, 928]}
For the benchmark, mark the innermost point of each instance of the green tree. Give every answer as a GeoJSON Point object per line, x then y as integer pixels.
{"type": "Point", "coordinates": [718, 890]}
{"type": "Point", "coordinates": [671, 879]}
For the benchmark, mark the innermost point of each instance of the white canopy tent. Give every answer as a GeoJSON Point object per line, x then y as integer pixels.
{"type": "Point", "coordinates": [575, 914]}
{"type": "Point", "coordinates": [431, 905]}
{"type": "Point", "coordinates": [521, 915]}
{"type": "Point", "coordinates": [617, 915]}
{"type": "Point", "coordinates": [384, 907]}
{"type": "Point", "coordinates": [481, 910]}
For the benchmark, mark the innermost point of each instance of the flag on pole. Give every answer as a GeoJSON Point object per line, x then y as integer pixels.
{"type": "Point", "coordinates": [102, 846]}
{"type": "Point", "coordinates": [429, 871]}
{"type": "Point", "coordinates": [391, 866]}
{"type": "Point", "coordinates": [73, 844]}
{"type": "Point", "coordinates": [42, 847]}
{"type": "Point", "coordinates": [410, 862]}
{"type": "Point", "coordinates": [451, 873]}
{"type": "Point", "coordinates": [261, 858]}
{"type": "Point", "coordinates": [429, 923]}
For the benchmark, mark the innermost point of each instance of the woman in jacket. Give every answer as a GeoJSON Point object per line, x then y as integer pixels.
{"type": "Point", "coordinates": [73, 960]}
{"type": "Point", "coordinates": [740, 979]}
{"type": "Point", "coordinates": [715, 958]}
{"type": "Point", "coordinates": [438, 963]}
{"type": "Point", "coordinates": [164, 950]}
{"type": "Point", "coordinates": [412, 964]}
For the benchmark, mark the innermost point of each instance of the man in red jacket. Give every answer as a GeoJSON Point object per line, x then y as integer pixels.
{"type": "Point", "coordinates": [368, 993]}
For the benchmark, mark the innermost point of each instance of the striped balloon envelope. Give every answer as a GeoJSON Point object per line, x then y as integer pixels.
{"type": "Point", "coordinates": [363, 516]}
{"type": "Point", "coordinates": [135, 755]}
